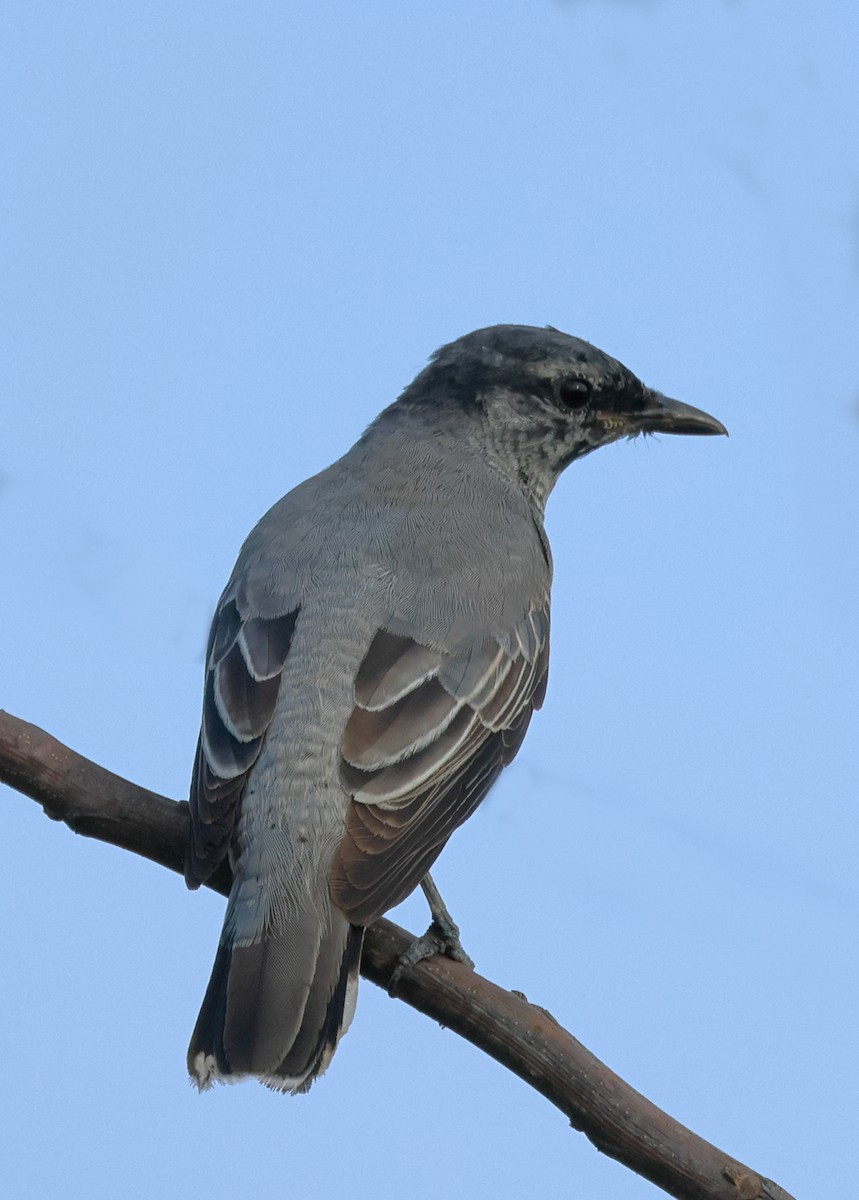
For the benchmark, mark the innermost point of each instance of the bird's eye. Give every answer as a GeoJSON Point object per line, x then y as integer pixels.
{"type": "Point", "coordinates": [574, 393]}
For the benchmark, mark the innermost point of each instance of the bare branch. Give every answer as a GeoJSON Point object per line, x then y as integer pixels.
{"type": "Point", "coordinates": [521, 1036]}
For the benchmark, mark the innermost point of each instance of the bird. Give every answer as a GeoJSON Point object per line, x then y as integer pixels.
{"type": "Point", "coordinates": [373, 664]}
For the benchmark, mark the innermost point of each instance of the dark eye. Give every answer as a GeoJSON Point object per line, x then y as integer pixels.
{"type": "Point", "coordinates": [574, 393]}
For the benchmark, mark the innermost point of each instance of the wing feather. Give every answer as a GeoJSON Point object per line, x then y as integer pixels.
{"type": "Point", "coordinates": [377, 738]}
{"type": "Point", "coordinates": [244, 661]}
{"type": "Point", "coordinates": [393, 667]}
{"type": "Point", "coordinates": [419, 765]}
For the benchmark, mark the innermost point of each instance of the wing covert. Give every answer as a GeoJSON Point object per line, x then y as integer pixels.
{"type": "Point", "coordinates": [244, 661]}
{"type": "Point", "coordinates": [429, 733]}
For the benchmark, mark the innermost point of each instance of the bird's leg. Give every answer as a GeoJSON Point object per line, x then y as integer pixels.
{"type": "Point", "coordinates": [442, 937]}
{"type": "Point", "coordinates": [443, 926]}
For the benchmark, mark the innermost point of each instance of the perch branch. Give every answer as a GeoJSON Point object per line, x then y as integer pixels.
{"type": "Point", "coordinates": [521, 1036]}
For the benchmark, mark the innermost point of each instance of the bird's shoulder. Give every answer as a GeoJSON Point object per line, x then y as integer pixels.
{"type": "Point", "coordinates": [431, 537]}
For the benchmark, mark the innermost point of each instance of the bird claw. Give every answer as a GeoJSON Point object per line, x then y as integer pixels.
{"type": "Point", "coordinates": [440, 938]}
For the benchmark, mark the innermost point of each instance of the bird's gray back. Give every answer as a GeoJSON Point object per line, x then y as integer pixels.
{"type": "Point", "coordinates": [419, 538]}
{"type": "Point", "coordinates": [423, 534]}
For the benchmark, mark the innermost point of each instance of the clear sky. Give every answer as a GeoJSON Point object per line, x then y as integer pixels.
{"type": "Point", "coordinates": [230, 235]}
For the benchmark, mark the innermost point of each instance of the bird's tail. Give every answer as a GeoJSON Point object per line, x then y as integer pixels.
{"type": "Point", "coordinates": [275, 1008]}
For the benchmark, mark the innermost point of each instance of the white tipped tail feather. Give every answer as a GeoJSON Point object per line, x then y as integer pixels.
{"type": "Point", "coordinates": [275, 1010]}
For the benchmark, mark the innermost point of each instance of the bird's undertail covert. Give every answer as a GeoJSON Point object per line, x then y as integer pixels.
{"type": "Point", "coordinates": [276, 1008]}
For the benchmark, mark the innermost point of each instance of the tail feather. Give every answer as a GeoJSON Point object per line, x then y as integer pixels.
{"type": "Point", "coordinates": [276, 1008]}
{"type": "Point", "coordinates": [267, 992]}
{"type": "Point", "coordinates": [207, 1060]}
{"type": "Point", "coordinates": [327, 1013]}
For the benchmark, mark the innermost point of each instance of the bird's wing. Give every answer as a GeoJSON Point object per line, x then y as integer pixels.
{"type": "Point", "coordinates": [244, 660]}
{"type": "Point", "coordinates": [429, 733]}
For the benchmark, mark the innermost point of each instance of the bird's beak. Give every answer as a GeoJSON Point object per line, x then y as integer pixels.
{"type": "Point", "coordinates": [663, 415]}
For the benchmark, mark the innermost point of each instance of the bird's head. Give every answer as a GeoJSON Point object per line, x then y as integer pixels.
{"type": "Point", "coordinates": [543, 398]}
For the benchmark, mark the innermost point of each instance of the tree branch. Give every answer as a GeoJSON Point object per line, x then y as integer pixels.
{"type": "Point", "coordinates": [521, 1036]}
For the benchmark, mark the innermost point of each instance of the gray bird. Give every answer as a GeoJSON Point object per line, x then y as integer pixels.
{"type": "Point", "coordinates": [373, 664]}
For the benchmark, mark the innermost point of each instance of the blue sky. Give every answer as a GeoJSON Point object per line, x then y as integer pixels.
{"type": "Point", "coordinates": [229, 236]}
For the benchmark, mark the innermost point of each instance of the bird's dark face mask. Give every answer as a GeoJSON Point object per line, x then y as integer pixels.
{"type": "Point", "coordinates": [563, 413]}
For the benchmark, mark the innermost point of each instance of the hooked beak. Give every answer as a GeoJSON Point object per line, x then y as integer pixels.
{"type": "Point", "coordinates": [663, 415]}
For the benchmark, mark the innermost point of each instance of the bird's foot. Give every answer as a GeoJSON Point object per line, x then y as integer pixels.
{"type": "Point", "coordinates": [442, 937]}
